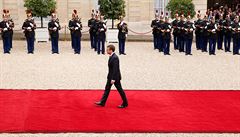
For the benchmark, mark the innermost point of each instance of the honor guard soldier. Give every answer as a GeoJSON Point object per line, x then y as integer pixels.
{"type": "Point", "coordinates": [95, 31]}
{"type": "Point", "coordinates": [197, 31]}
{"type": "Point", "coordinates": [181, 41]}
{"type": "Point", "coordinates": [102, 28]}
{"type": "Point", "coordinates": [11, 24]}
{"type": "Point", "coordinates": [189, 28]}
{"type": "Point", "coordinates": [5, 30]}
{"type": "Point", "coordinates": [91, 23]}
{"type": "Point", "coordinates": [227, 25]}
{"type": "Point", "coordinates": [161, 30]}
{"type": "Point", "coordinates": [155, 30]}
{"type": "Point", "coordinates": [122, 35]}
{"type": "Point", "coordinates": [54, 27]}
{"type": "Point", "coordinates": [220, 32]}
{"type": "Point", "coordinates": [167, 36]}
{"type": "Point", "coordinates": [175, 31]}
{"type": "Point", "coordinates": [212, 30]}
{"type": "Point", "coordinates": [71, 30]}
{"type": "Point", "coordinates": [236, 36]}
{"type": "Point", "coordinates": [29, 27]}
{"type": "Point", "coordinates": [204, 34]}
{"type": "Point", "coordinates": [76, 27]}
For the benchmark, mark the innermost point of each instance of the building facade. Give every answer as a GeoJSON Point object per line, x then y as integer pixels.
{"type": "Point", "coordinates": [139, 13]}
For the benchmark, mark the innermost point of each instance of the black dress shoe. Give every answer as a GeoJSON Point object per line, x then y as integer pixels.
{"type": "Point", "coordinates": [99, 104]}
{"type": "Point", "coordinates": [122, 106]}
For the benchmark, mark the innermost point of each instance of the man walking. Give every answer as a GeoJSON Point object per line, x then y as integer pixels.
{"type": "Point", "coordinates": [114, 77]}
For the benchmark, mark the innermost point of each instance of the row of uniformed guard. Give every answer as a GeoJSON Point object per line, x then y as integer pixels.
{"type": "Point", "coordinates": [97, 32]}
{"type": "Point", "coordinates": [207, 32]}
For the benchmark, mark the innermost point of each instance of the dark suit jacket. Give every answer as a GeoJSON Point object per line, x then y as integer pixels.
{"type": "Point", "coordinates": [114, 68]}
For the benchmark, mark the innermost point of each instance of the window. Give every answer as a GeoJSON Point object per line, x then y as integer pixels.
{"type": "Point", "coordinates": [160, 5]}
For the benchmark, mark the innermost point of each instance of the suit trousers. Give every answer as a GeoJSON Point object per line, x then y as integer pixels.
{"type": "Point", "coordinates": [118, 85]}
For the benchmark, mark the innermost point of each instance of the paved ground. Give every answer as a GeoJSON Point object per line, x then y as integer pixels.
{"type": "Point", "coordinates": [142, 68]}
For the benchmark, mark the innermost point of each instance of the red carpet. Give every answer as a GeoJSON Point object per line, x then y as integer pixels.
{"type": "Point", "coordinates": [149, 111]}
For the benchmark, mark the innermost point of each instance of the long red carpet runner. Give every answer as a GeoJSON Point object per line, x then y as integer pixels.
{"type": "Point", "coordinates": [54, 111]}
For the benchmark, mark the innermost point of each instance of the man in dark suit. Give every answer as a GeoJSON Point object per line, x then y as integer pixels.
{"type": "Point", "coordinates": [114, 77]}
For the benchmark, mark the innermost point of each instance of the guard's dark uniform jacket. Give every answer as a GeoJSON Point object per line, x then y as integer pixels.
{"type": "Point", "coordinates": [54, 27]}
{"type": "Point", "coordinates": [175, 27]}
{"type": "Point", "coordinates": [167, 33]}
{"type": "Point", "coordinates": [91, 25]}
{"type": "Point", "coordinates": [123, 30]}
{"type": "Point", "coordinates": [29, 28]}
{"type": "Point", "coordinates": [212, 32]}
{"type": "Point", "coordinates": [77, 27]}
{"type": "Point", "coordinates": [188, 29]}
{"type": "Point", "coordinates": [102, 30]}
{"type": "Point", "coordinates": [6, 32]}
{"type": "Point", "coordinates": [154, 26]}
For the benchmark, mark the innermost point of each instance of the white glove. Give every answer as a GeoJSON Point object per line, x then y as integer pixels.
{"type": "Point", "coordinates": [5, 29]}
{"type": "Point", "coordinates": [76, 28]}
{"type": "Point", "coordinates": [104, 26]}
{"type": "Point", "coordinates": [56, 24]}
{"type": "Point", "coordinates": [101, 29]}
{"type": "Point", "coordinates": [168, 30]}
{"type": "Point", "coordinates": [78, 25]}
{"type": "Point", "coordinates": [121, 23]}
{"type": "Point", "coordinates": [31, 25]}
{"type": "Point", "coordinates": [7, 25]}
{"type": "Point", "coordinates": [238, 29]}
{"type": "Point", "coordinates": [191, 29]}
{"type": "Point", "coordinates": [126, 35]}
{"type": "Point", "coordinates": [29, 28]}
{"type": "Point", "coordinates": [55, 28]}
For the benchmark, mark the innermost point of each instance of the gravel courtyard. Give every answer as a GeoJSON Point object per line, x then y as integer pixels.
{"type": "Point", "coordinates": [142, 68]}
